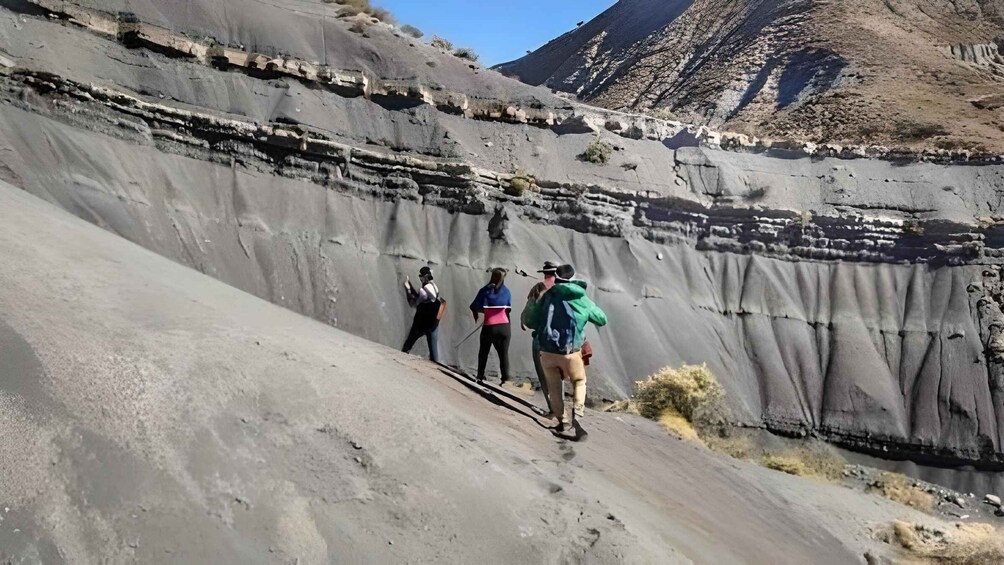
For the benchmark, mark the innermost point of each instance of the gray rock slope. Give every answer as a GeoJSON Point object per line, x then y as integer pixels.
{"type": "Point", "coordinates": [858, 300]}
{"type": "Point", "coordinates": [150, 413]}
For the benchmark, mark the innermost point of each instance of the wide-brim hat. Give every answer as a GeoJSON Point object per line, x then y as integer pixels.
{"type": "Point", "coordinates": [549, 267]}
{"type": "Point", "coordinates": [565, 273]}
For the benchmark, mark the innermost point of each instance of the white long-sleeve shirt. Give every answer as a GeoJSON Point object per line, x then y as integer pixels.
{"type": "Point", "coordinates": [428, 293]}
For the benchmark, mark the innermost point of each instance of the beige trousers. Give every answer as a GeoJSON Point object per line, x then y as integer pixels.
{"type": "Point", "coordinates": [564, 367]}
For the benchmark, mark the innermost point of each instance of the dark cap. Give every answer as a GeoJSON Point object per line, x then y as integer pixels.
{"type": "Point", "coordinates": [565, 273]}
{"type": "Point", "coordinates": [549, 268]}
{"type": "Point", "coordinates": [425, 272]}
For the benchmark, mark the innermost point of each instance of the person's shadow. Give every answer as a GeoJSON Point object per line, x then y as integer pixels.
{"type": "Point", "coordinates": [499, 397]}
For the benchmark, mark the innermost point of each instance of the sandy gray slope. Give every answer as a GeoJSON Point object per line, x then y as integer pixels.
{"type": "Point", "coordinates": [152, 413]}
{"type": "Point", "coordinates": [858, 300]}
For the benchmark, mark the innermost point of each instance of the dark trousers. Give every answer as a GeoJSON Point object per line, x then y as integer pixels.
{"type": "Point", "coordinates": [496, 336]}
{"type": "Point", "coordinates": [431, 334]}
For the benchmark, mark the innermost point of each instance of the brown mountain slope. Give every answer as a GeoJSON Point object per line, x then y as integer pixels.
{"type": "Point", "coordinates": [898, 72]}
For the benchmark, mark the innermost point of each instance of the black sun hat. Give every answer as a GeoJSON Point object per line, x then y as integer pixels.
{"type": "Point", "coordinates": [549, 267]}
{"type": "Point", "coordinates": [565, 273]}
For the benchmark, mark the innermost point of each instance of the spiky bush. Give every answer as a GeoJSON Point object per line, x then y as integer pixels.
{"type": "Point", "coordinates": [692, 391]}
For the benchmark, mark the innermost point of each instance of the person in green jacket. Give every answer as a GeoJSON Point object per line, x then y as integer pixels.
{"type": "Point", "coordinates": [559, 318]}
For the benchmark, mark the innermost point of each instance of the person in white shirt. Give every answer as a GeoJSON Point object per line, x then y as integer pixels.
{"type": "Point", "coordinates": [428, 305]}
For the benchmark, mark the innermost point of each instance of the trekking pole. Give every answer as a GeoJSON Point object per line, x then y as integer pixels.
{"type": "Point", "coordinates": [461, 342]}
{"type": "Point", "coordinates": [456, 348]}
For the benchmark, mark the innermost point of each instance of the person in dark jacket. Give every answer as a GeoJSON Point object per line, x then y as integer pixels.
{"type": "Point", "coordinates": [494, 302]}
{"type": "Point", "coordinates": [559, 317]}
{"type": "Point", "coordinates": [426, 302]}
{"type": "Point", "coordinates": [548, 271]}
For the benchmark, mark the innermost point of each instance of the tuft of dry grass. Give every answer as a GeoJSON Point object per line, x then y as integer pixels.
{"type": "Point", "coordinates": [819, 462]}
{"type": "Point", "coordinates": [678, 425]}
{"type": "Point", "coordinates": [786, 464]}
{"type": "Point", "coordinates": [628, 406]}
{"type": "Point", "coordinates": [735, 446]}
{"type": "Point", "coordinates": [901, 489]}
{"type": "Point", "coordinates": [961, 544]}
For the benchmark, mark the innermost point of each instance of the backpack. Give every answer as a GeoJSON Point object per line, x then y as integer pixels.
{"type": "Point", "coordinates": [441, 311]}
{"type": "Point", "coordinates": [558, 333]}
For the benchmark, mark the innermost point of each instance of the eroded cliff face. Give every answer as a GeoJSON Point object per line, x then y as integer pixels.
{"type": "Point", "coordinates": [855, 299]}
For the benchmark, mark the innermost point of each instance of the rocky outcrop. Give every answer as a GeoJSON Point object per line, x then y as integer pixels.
{"type": "Point", "coordinates": [403, 92]}
{"type": "Point", "coordinates": [826, 73]}
{"type": "Point", "coordinates": [853, 299]}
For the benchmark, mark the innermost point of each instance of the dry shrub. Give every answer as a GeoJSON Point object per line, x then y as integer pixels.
{"type": "Point", "coordinates": [901, 489]}
{"type": "Point", "coordinates": [692, 391]}
{"type": "Point", "coordinates": [598, 152]}
{"type": "Point", "coordinates": [412, 31]}
{"type": "Point", "coordinates": [383, 15]}
{"type": "Point", "coordinates": [441, 43]}
{"type": "Point", "coordinates": [356, 7]}
{"type": "Point", "coordinates": [520, 183]}
{"type": "Point", "coordinates": [467, 53]}
{"type": "Point", "coordinates": [962, 544]}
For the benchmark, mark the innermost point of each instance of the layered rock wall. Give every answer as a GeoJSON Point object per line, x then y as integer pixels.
{"type": "Point", "coordinates": [859, 300]}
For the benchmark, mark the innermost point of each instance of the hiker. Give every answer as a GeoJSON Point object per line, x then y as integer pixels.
{"type": "Point", "coordinates": [559, 317]}
{"type": "Point", "coordinates": [538, 289]}
{"type": "Point", "coordinates": [429, 308]}
{"type": "Point", "coordinates": [494, 301]}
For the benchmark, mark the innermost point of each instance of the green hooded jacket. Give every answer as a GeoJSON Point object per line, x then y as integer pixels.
{"type": "Point", "coordinates": [585, 310]}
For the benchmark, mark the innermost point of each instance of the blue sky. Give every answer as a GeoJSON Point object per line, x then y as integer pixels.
{"type": "Point", "coordinates": [498, 30]}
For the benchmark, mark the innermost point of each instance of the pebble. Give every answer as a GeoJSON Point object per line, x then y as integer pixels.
{"type": "Point", "coordinates": [992, 500]}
